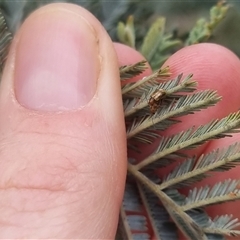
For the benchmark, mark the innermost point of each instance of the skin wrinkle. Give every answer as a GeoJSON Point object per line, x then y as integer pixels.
{"type": "Point", "coordinates": [111, 152]}
{"type": "Point", "coordinates": [21, 209]}
{"type": "Point", "coordinates": [112, 164]}
{"type": "Point", "coordinates": [57, 216]}
{"type": "Point", "coordinates": [22, 129]}
{"type": "Point", "coordinates": [27, 134]}
{"type": "Point", "coordinates": [31, 231]}
{"type": "Point", "coordinates": [63, 135]}
{"type": "Point", "coordinates": [64, 125]}
{"type": "Point", "coordinates": [46, 136]}
{"type": "Point", "coordinates": [116, 151]}
{"type": "Point", "coordinates": [51, 145]}
{"type": "Point", "coordinates": [61, 146]}
{"type": "Point", "coordinates": [54, 171]}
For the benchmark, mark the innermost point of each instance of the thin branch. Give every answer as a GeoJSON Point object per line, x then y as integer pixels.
{"type": "Point", "coordinates": [225, 191]}
{"type": "Point", "coordinates": [145, 82]}
{"type": "Point", "coordinates": [190, 229]}
{"type": "Point", "coordinates": [130, 71]}
{"type": "Point", "coordinates": [214, 200]}
{"type": "Point", "coordinates": [192, 170]}
{"type": "Point", "coordinates": [182, 106]}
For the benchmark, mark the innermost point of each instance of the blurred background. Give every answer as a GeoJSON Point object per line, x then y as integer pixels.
{"type": "Point", "coordinates": [181, 16]}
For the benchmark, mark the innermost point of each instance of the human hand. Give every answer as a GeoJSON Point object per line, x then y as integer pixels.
{"type": "Point", "coordinates": [63, 143]}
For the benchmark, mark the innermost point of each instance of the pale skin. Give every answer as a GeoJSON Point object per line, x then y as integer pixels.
{"type": "Point", "coordinates": [62, 174]}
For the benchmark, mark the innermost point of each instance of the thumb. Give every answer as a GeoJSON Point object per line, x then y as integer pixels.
{"type": "Point", "coordinates": [62, 144]}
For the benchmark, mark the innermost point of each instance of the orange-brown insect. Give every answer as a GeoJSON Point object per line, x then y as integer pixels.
{"type": "Point", "coordinates": [155, 100]}
{"type": "Point", "coordinates": [233, 194]}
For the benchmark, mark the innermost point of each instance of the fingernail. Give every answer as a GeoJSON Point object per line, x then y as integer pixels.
{"type": "Point", "coordinates": [57, 62]}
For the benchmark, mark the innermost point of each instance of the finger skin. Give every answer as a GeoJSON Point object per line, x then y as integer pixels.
{"type": "Point", "coordinates": [62, 175]}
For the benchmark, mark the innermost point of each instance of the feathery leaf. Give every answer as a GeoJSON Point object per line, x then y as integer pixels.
{"type": "Point", "coordinates": [153, 39]}
{"type": "Point", "coordinates": [5, 41]}
{"type": "Point", "coordinates": [193, 169]}
{"type": "Point", "coordinates": [225, 191]}
{"type": "Point", "coordinates": [203, 28]}
{"type": "Point", "coordinates": [184, 105]}
{"type": "Point", "coordinates": [190, 138]}
{"type": "Point", "coordinates": [138, 88]}
{"type": "Point", "coordinates": [126, 32]}
{"type": "Point", "coordinates": [141, 93]}
{"type": "Point", "coordinates": [163, 228]}
{"type": "Point", "coordinates": [130, 71]}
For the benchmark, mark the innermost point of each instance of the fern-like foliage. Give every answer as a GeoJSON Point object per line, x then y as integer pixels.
{"type": "Point", "coordinates": [153, 204]}
{"type": "Point", "coordinates": [157, 45]}
{"type": "Point", "coordinates": [203, 29]}
{"type": "Point", "coordinates": [5, 40]}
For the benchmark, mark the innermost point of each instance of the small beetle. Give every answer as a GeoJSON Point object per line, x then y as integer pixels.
{"type": "Point", "coordinates": [233, 194]}
{"type": "Point", "coordinates": [155, 100]}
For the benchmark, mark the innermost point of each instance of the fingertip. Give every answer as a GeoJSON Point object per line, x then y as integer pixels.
{"type": "Point", "coordinates": [210, 63]}
{"type": "Point", "coordinates": [127, 55]}
{"type": "Point", "coordinates": [214, 67]}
